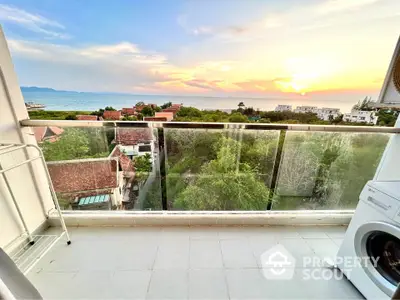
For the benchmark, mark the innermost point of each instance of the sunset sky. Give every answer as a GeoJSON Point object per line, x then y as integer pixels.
{"type": "Point", "coordinates": [217, 48]}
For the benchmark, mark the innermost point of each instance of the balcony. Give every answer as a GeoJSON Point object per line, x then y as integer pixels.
{"type": "Point", "coordinates": [179, 211]}
{"type": "Point", "coordinates": [188, 263]}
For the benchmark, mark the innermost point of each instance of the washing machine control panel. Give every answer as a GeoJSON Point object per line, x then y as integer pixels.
{"type": "Point", "coordinates": [381, 202]}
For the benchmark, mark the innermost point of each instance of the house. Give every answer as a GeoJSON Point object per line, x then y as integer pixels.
{"type": "Point", "coordinates": [88, 183]}
{"type": "Point", "coordinates": [133, 136]}
{"type": "Point", "coordinates": [168, 115]}
{"type": "Point", "coordinates": [128, 111]}
{"type": "Point", "coordinates": [112, 115]}
{"type": "Point", "coordinates": [361, 116]}
{"type": "Point", "coordinates": [86, 118]}
{"type": "Point", "coordinates": [139, 108]}
{"type": "Point", "coordinates": [282, 107]}
{"type": "Point", "coordinates": [306, 109]}
{"type": "Point", "coordinates": [47, 133]}
{"type": "Point", "coordinates": [327, 113]}
{"type": "Point", "coordinates": [155, 119]}
{"type": "Point", "coordinates": [173, 110]}
{"type": "Point", "coordinates": [134, 141]}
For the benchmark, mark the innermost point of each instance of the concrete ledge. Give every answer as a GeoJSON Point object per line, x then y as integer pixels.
{"type": "Point", "coordinates": [176, 218]}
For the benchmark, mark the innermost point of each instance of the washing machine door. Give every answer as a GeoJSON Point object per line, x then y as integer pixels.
{"type": "Point", "coordinates": [380, 243]}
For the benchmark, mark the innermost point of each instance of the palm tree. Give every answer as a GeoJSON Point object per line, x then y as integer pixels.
{"type": "Point", "coordinates": [241, 104]}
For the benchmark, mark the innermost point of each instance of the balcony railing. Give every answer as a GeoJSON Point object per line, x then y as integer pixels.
{"type": "Point", "coordinates": [208, 166]}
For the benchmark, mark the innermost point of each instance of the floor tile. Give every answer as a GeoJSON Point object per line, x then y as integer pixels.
{"type": "Point", "coordinates": [237, 254]}
{"type": "Point", "coordinates": [285, 232]}
{"type": "Point", "coordinates": [207, 284]}
{"type": "Point", "coordinates": [322, 283]}
{"type": "Point", "coordinates": [317, 233]}
{"type": "Point", "coordinates": [53, 285]}
{"type": "Point", "coordinates": [172, 256]}
{"type": "Point", "coordinates": [323, 248]}
{"type": "Point", "coordinates": [203, 232]}
{"type": "Point", "coordinates": [130, 284]}
{"type": "Point", "coordinates": [205, 254]}
{"type": "Point", "coordinates": [335, 231]}
{"type": "Point", "coordinates": [168, 284]}
{"type": "Point", "coordinates": [92, 285]}
{"type": "Point", "coordinates": [299, 249]}
{"type": "Point", "coordinates": [246, 284]}
{"type": "Point", "coordinates": [337, 241]}
{"type": "Point", "coordinates": [261, 244]}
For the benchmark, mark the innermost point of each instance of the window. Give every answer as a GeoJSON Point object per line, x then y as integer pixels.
{"type": "Point", "coordinates": [362, 118]}
{"type": "Point", "coordinates": [145, 148]}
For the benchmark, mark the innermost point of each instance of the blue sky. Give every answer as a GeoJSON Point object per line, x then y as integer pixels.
{"type": "Point", "coordinates": [203, 47]}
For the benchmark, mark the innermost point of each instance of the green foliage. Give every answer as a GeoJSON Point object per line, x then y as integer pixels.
{"type": "Point", "coordinates": [157, 109]}
{"type": "Point", "coordinates": [130, 118]}
{"type": "Point", "coordinates": [76, 143]}
{"type": "Point", "coordinates": [143, 163]}
{"type": "Point", "coordinates": [189, 112]}
{"type": "Point", "coordinates": [387, 117]}
{"type": "Point", "coordinates": [147, 111]}
{"type": "Point", "coordinates": [140, 103]}
{"type": "Point", "coordinates": [166, 105]}
{"type": "Point", "coordinates": [55, 114]}
{"type": "Point", "coordinates": [139, 117]}
{"type": "Point", "coordinates": [241, 105]}
{"type": "Point", "coordinates": [364, 104]}
{"type": "Point", "coordinates": [222, 184]}
{"type": "Point", "coordinates": [110, 108]}
{"type": "Point", "coordinates": [238, 118]}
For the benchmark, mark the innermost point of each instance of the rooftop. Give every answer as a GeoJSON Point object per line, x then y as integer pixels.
{"type": "Point", "coordinates": [126, 136]}
{"type": "Point", "coordinates": [186, 263]}
{"type": "Point", "coordinates": [82, 175]}
{"type": "Point", "coordinates": [86, 118]}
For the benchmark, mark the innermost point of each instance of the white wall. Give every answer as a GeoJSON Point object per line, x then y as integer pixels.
{"type": "Point", "coordinates": [389, 166]}
{"type": "Point", "coordinates": [22, 181]}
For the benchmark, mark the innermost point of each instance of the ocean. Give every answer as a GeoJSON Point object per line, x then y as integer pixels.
{"type": "Point", "coordinates": [60, 100]}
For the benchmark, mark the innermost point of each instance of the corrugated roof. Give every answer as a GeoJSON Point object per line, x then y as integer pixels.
{"type": "Point", "coordinates": [94, 199]}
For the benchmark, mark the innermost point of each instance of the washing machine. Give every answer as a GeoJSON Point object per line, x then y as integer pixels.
{"type": "Point", "coordinates": [370, 253]}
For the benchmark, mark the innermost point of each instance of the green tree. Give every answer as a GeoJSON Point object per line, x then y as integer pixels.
{"type": "Point", "coordinates": [72, 144]}
{"type": "Point", "coordinates": [129, 118]}
{"type": "Point", "coordinates": [166, 105]}
{"type": "Point", "coordinates": [70, 117]}
{"type": "Point", "coordinates": [364, 104]}
{"type": "Point", "coordinates": [143, 163]}
{"type": "Point", "coordinates": [238, 118]}
{"type": "Point", "coordinates": [110, 108]}
{"type": "Point", "coordinates": [147, 111]}
{"type": "Point", "coordinates": [225, 184]}
{"type": "Point", "coordinates": [140, 103]}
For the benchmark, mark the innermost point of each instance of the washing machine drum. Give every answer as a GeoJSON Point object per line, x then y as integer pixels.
{"type": "Point", "coordinates": [380, 242]}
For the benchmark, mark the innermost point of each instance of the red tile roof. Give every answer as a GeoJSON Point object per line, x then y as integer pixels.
{"type": "Point", "coordinates": [83, 175]}
{"type": "Point", "coordinates": [112, 115]}
{"type": "Point", "coordinates": [39, 133]}
{"type": "Point", "coordinates": [128, 111]}
{"type": "Point", "coordinates": [156, 119]}
{"type": "Point", "coordinates": [125, 162]}
{"type": "Point", "coordinates": [86, 118]}
{"type": "Point", "coordinates": [174, 110]}
{"type": "Point", "coordinates": [45, 133]}
{"type": "Point", "coordinates": [133, 136]}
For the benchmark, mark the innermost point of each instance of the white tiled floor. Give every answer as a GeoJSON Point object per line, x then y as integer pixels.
{"type": "Point", "coordinates": [186, 263]}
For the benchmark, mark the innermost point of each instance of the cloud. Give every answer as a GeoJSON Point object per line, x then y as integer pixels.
{"type": "Point", "coordinates": [32, 22]}
{"type": "Point", "coordinates": [337, 6]}
{"type": "Point", "coordinates": [204, 84]}
{"type": "Point", "coordinates": [117, 67]}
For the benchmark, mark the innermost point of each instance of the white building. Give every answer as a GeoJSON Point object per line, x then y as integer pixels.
{"type": "Point", "coordinates": [361, 116]}
{"type": "Point", "coordinates": [306, 109]}
{"type": "Point", "coordinates": [283, 107]}
{"type": "Point", "coordinates": [327, 113]}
